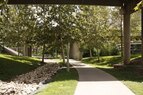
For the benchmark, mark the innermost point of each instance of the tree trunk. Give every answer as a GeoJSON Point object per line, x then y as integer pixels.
{"type": "Point", "coordinates": [25, 52]}
{"type": "Point", "coordinates": [90, 52]}
{"type": "Point", "coordinates": [56, 53]}
{"type": "Point", "coordinates": [18, 50]}
{"type": "Point", "coordinates": [98, 55]}
{"type": "Point", "coordinates": [43, 52]}
{"type": "Point", "coordinates": [63, 54]}
{"type": "Point", "coordinates": [30, 51]}
{"type": "Point", "coordinates": [121, 37]}
{"type": "Point", "coordinates": [68, 50]}
{"type": "Point", "coordinates": [36, 51]}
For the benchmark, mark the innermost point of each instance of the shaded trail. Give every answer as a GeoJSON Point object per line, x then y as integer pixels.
{"type": "Point", "coordinates": [93, 81]}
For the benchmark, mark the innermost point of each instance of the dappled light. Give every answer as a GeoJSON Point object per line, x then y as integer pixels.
{"type": "Point", "coordinates": [107, 38]}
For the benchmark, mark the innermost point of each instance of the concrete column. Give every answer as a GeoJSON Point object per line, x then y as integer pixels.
{"type": "Point", "coordinates": [27, 50]}
{"type": "Point", "coordinates": [75, 51]}
{"type": "Point", "coordinates": [126, 52]}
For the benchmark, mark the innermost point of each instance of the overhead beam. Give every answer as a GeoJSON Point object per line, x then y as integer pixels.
{"type": "Point", "coordinates": [78, 2]}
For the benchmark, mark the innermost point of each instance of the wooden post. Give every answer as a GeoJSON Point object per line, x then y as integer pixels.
{"type": "Point", "coordinates": [127, 46]}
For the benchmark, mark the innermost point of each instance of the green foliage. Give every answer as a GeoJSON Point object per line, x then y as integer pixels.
{"type": "Point", "coordinates": [136, 26]}
{"type": "Point", "coordinates": [56, 25]}
{"type": "Point", "coordinates": [139, 5]}
{"type": "Point", "coordinates": [102, 29]}
{"type": "Point", "coordinates": [3, 3]}
{"type": "Point", "coordinates": [64, 83]}
{"type": "Point", "coordinates": [110, 50]}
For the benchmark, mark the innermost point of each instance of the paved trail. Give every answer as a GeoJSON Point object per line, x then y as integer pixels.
{"type": "Point", "coordinates": [93, 81]}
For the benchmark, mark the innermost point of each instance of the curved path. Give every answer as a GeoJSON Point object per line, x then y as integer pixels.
{"type": "Point", "coordinates": [93, 81]}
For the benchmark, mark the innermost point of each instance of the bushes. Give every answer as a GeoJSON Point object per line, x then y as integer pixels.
{"type": "Point", "coordinates": [106, 51]}
{"type": "Point", "coordinates": [111, 51]}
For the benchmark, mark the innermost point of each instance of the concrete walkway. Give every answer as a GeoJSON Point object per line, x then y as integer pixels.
{"type": "Point", "coordinates": [93, 81]}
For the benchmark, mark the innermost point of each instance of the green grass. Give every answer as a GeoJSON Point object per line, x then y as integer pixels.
{"type": "Point", "coordinates": [64, 83]}
{"type": "Point", "coordinates": [11, 66]}
{"type": "Point", "coordinates": [129, 75]}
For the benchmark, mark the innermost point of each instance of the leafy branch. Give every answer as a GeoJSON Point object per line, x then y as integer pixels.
{"type": "Point", "coordinates": [139, 5]}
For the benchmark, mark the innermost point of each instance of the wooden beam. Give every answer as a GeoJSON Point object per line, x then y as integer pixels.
{"type": "Point", "coordinates": [78, 2]}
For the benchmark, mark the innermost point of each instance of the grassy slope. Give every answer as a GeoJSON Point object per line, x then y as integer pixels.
{"type": "Point", "coordinates": [128, 76]}
{"type": "Point", "coordinates": [10, 66]}
{"type": "Point", "coordinates": [64, 83]}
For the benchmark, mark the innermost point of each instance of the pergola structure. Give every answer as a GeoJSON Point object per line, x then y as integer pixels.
{"type": "Point", "coordinates": [126, 5]}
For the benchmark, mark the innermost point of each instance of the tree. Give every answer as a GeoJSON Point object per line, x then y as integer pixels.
{"type": "Point", "coordinates": [65, 18]}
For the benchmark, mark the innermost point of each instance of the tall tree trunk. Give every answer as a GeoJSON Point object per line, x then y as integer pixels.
{"type": "Point", "coordinates": [121, 34]}
{"type": "Point", "coordinates": [18, 48]}
{"type": "Point", "coordinates": [90, 52]}
{"type": "Point", "coordinates": [25, 52]}
{"type": "Point", "coordinates": [63, 54]}
{"type": "Point", "coordinates": [36, 51]}
{"type": "Point", "coordinates": [68, 50]}
{"type": "Point", "coordinates": [98, 54]}
{"type": "Point", "coordinates": [30, 51]}
{"type": "Point", "coordinates": [56, 53]}
{"type": "Point", "coordinates": [3, 46]}
{"type": "Point", "coordinates": [43, 52]}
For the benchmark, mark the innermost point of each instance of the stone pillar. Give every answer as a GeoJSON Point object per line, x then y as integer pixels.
{"type": "Point", "coordinates": [142, 32]}
{"type": "Point", "coordinates": [75, 51]}
{"type": "Point", "coordinates": [127, 46]}
{"type": "Point", "coordinates": [27, 51]}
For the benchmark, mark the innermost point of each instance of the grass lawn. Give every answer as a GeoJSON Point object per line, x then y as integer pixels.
{"type": "Point", "coordinates": [64, 83]}
{"type": "Point", "coordinates": [128, 76]}
{"type": "Point", "coordinates": [10, 66]}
